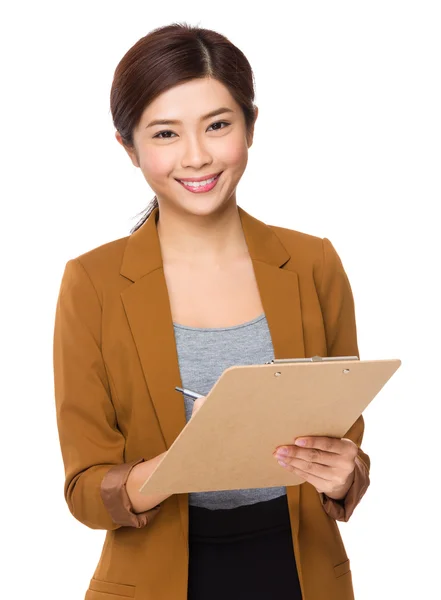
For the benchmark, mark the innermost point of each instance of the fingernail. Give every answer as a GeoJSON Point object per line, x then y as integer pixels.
{"type": "Point", "coordinates": [300, 442]}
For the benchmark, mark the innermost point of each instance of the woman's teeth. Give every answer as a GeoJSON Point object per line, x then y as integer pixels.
{"type": "Point", "coordinates": [198, 183]}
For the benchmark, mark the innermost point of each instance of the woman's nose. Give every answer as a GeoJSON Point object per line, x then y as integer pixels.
{"type": "Point", "coordinates": [195, 153]}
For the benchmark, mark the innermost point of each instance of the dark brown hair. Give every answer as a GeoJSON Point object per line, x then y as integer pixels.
{"type": "Point", "coordinates": [168, 56]}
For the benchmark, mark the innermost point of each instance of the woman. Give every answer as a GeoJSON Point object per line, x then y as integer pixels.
{"type": "Point", "coordinates": [198, 286]}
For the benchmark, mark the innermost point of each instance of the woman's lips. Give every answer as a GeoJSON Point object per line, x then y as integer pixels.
{"type": "Point", "coordinates": [202, 188]}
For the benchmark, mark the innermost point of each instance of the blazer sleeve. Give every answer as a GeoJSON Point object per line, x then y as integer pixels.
{"type": "Point", "coordinates": [92, 446]}
{"type": "Point", "coordinates": [338, 311]}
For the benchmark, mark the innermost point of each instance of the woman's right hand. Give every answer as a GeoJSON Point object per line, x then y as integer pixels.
{"type": "Point", "coordinates": [197, 404]}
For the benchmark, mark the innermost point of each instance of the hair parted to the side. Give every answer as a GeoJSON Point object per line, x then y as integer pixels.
{"type": "Point", "coordinates": [168, 56]}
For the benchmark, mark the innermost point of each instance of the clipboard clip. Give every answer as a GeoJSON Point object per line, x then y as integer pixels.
{"type": "Point", "coordinates": [277, 361]}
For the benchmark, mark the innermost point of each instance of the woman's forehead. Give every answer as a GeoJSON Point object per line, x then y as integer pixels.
{"type": "Point", "coordinates": [192, 100]}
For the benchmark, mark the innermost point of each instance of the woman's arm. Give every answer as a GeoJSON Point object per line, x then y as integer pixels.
{"type": "Point", "coordinates": [337, 304]}
{"type": "Point", "coordinates": [92, 446]}
{"type": "Point", "coordinates": [137, 476]}
{"type": "Point", "coordinates": [140, 472]}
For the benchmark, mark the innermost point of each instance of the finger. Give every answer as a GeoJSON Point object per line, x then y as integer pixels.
{"type": "Point", "coordinates": [323, 472]}
{"type": "Point", "coordinates": [328, 444]}
{"type": "Point", "coordinates": [311, 478]}
{"type": "Point", "coordinates": [199, 401]}
{"type": "Point", "coordinates": [197, 404]}
{"type": "Point", "coordinates": [309, 455]}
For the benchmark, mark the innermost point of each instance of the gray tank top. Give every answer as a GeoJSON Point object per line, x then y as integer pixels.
{"type": "Point", "coordinates": [203, 354]}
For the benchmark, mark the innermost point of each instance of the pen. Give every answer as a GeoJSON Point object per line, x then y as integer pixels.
{"type": "Point", "coordinates": [187, 392]}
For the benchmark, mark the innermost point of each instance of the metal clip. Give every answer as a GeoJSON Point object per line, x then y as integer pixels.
{"type": "Point", "coordinates": [277, 361]}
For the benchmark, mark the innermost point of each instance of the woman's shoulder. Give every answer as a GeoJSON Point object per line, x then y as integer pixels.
{"type": "Point", "coordinates": [303, 247]}
{"type": "Point", "coordinates": [103, 263]}
{"type": "Point", "coordinates": [104, 252]}
{"type": "Point", "coordinates": [295, 236]}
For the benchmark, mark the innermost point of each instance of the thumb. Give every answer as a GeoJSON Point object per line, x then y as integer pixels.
{"type": "Point", "coordinates": [198, 403]}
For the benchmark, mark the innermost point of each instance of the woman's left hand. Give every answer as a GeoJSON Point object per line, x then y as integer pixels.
{"type": "Point", "coordinates": [326, 463]}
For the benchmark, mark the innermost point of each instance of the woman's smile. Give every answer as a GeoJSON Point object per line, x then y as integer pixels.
{"type": "Point", "coordinates": [197, 188]}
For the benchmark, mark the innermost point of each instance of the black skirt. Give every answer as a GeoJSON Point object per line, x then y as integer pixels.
{"type": "Point", "coordinates": [242, 553]}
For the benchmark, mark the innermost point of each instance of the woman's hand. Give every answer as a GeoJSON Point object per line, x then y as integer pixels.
{"type": "Point", "coordinates": [197, 405]}
{"type": "Point", "coordinates": [326, 463]}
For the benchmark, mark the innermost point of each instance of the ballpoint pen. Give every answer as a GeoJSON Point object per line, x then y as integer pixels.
{"type": "Point", "coordinates": [187, 392]}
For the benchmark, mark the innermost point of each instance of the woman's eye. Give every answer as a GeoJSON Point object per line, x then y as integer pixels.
{"type": "Point", "coordinates": [161, 133]}
{"type": "Point", "coordinates": [220, 123]}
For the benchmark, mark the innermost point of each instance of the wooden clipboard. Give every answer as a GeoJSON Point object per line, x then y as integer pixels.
{"type": "Point", "coordinates": [252, 409]}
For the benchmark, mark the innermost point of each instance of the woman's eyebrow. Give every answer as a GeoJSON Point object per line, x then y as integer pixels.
{"type": "Point", "coordinates": [213, 113]}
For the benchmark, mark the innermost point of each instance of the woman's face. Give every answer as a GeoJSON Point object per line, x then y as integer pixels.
{"type": "Point", "coordinates": [194, 146]}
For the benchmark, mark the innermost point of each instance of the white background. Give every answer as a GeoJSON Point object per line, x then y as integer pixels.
{"type": "Point", "coordinates": [347, 146]}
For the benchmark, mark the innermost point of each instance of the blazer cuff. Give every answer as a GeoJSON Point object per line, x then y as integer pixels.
{"type": "Point", "coordinates": [116, 500]}
{"type": "Point", "coordinates": [341, 510]}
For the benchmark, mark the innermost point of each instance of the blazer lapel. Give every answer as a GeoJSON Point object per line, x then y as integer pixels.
{"type": "Point", "coordinates": [147, 307]}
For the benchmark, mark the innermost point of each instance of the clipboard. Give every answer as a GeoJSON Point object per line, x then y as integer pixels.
{"type": "Point", "coordinates": [252, 409]}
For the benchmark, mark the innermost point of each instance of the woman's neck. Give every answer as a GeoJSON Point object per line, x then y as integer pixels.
{"type": "Point", "coordinates": [201, 240]}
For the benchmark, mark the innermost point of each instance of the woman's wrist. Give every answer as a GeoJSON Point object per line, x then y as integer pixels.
{"type": "Point", "coordinates": [137, 476]}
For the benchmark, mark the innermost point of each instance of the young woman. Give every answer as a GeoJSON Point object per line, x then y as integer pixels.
{"type": "Point", "coordinates": [200, 285]}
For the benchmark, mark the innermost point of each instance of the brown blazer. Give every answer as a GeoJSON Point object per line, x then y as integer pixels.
{"type": "Point", "coordinates": [115, 369]}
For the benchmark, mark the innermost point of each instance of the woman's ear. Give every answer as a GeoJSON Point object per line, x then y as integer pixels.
{"type": "Point", "coordinates": [251, 134]}
{"type": "Point", "coordinates": [130, 151]}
